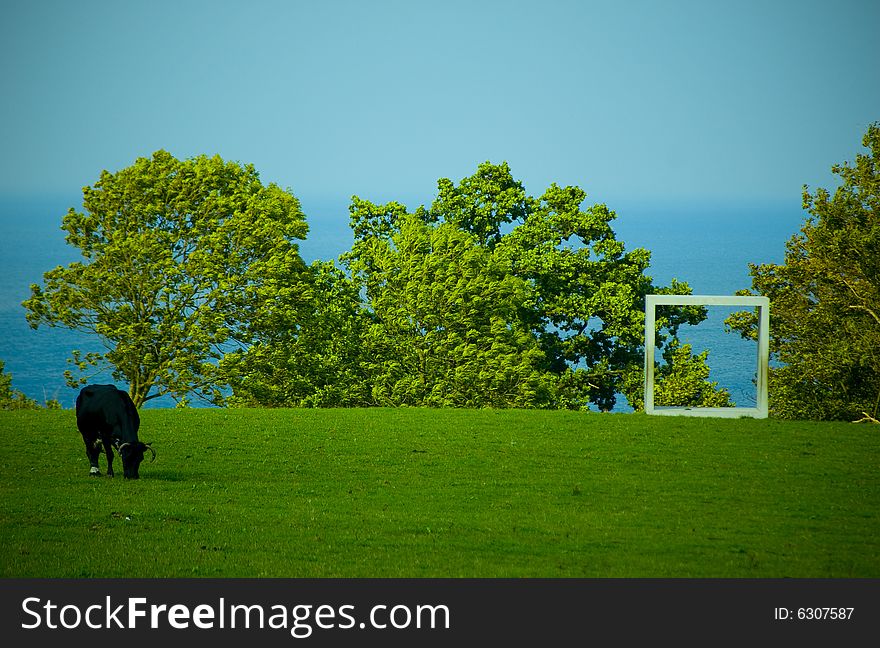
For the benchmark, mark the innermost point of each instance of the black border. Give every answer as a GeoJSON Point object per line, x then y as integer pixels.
{"type": "Point", "coordinates": [518, 611]}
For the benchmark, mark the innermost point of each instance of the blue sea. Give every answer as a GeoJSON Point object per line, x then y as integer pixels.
{"type": "Point", "coordinates": [707, 246]}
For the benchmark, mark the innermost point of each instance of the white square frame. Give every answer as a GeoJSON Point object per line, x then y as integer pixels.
{"type": "Point", "coordinates": [763, 356]}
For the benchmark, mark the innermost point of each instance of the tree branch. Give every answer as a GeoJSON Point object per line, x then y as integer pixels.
{"type": "Point", "coordinates": [861, 307]}
{"type": "Point", "coordinates": [868, 311]}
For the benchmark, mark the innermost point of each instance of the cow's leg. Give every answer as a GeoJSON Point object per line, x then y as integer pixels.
{"type": "Point", "coordinates": [93, 450]}
{"type": "Point", "coordinates": [108, 448]}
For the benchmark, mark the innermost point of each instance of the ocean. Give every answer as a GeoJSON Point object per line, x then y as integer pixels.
{"type": "Point", "coordinates": [707, 246]}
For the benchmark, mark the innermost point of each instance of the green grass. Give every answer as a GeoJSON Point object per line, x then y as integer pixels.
{"type": "Point", "coordinates": [418, 493]}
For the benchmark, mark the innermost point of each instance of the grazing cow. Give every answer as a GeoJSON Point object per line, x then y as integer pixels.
{"type": "Point", "coordinates": [107, 416]}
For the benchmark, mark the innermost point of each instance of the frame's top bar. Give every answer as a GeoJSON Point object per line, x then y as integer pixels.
{"type": "Point", "coordinates": [706, 300]}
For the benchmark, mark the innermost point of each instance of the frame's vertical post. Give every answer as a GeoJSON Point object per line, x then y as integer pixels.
{"type": "Point", "coordinates": [649, 353]}
{"type": "Point", "coordinates": [763, 357]}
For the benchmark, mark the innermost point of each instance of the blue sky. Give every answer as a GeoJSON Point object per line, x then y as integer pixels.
{"type": "Point", "coordinates": [667, 102]}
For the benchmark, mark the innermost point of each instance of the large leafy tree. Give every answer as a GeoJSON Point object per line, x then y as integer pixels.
{"type": "Point", "coordinates": [307, 353]}
{"type": "Point", "coordinates": [179, 258]}
{"type": "Point", "coordinates": [444, 323]}
{"type": "Point", "coordinates": [825, 300]}
{"type": "Point", "coordinates": [588, 310]}
{"type": "Point", "coordinates": [543, 279]}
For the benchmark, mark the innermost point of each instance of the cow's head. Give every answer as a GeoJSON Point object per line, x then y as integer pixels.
{"type": "Point", "coordinates": [132, 455]}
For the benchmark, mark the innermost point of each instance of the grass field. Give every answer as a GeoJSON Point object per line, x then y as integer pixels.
{"type": "Point", "coordinates": [443, 493]}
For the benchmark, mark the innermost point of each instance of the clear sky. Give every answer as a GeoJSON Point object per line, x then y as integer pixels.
{"type": "Point", "coordinates": [672, 101]}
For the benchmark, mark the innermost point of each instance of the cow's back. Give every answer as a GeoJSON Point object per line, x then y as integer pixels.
{"type": "Point", "coordinates": [106, 409]}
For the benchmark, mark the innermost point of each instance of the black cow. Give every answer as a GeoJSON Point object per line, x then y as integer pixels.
{"type": "Point", "coordinates": [107, 416]}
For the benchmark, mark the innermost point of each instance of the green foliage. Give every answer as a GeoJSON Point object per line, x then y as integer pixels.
{"type": "Point", "coordinates": [444, 326]}
{"type": "Point", "coordinates": [412, 492]}
{"type": "Point", "coordinates": [179, 257]}
{"type": "Point", "coordinates": [10, 398]}
{"type": "Point", "coordinates": [490, 298]}
{"type": "Point", "coordinates": [493, 297]}
{"type": "Point", "coordinates": [483, 203]}
{"type": "Point", "coordinates": [825, 318]}
{"type": "Point", "coordinates": [308, 353]}
{"type": "Point", "coordinates": [682, 381]}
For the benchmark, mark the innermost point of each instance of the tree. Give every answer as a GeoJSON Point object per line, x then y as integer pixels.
{"type": "Point", "coordinates": [588, 310]}
{"type": "Point", "coordinates": [305, 354]}
{"type": "Point", "coordinates": [543, 280]}
{"type": "Point", "coordinates": [682, 380]}
{"type": "Point", "coordinates": [825, 300]}
{"type": "Point", "coordinates": [10, 398]}
{"type": "Point", "coordinates": [444, 325]}
{"type": "Point", "coordinates": [179, 257]}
